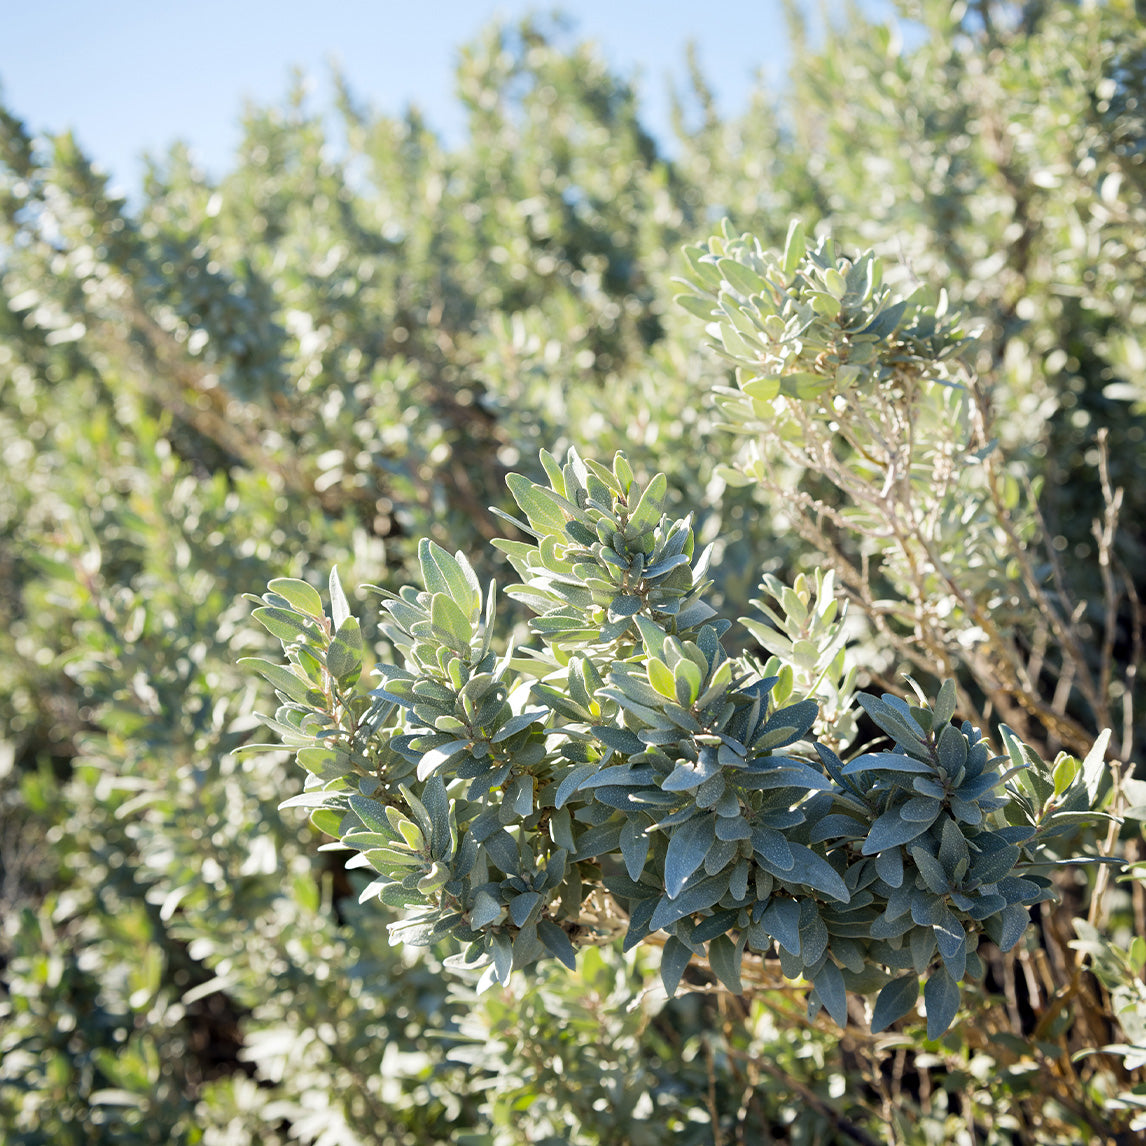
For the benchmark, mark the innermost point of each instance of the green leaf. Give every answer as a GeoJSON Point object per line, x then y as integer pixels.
{"type": "Point", "coordinates": [895, 1000]}
{"type": "Point", "coordinates": [795, 246]}
{"type": "Point", "coordinates": [992, 866]}
{"type": "Point", "coordinates": [339, 606]}
{"type": "Point", "coordinates": [543, 513]}
{"type": "Point", "coordinates": [522, 906]}
{"type": "Point", "coordinates": [647, 514]}
{"type": "Point", "coordinates": [703, 308]}
{"type": "Point", "coordinates": [829, 984]}
{"type": "Point", "coordinates": [624, 605]}
{"type": "Point", "coordinates": [953, 851]}
{"type": "Point", "coordinates": [814, 871]}
{"type": "Point", "coordinates": [885, 762]}
{"type": "Point", "coordinates": [1094, 766]}
{"type": "Point", "coordinates": [344, 656]}
{"type": "Point", "coordinates": [724, 958]}
{"type": "Point", "coordinates": [952, 749]}
{"type": "Point", "coordinates": [519, 723]}
{"type": "Point", "coordinates": [941, 998]}
{"type": "Point", "coordinates": [763, 388]}
{"type": "Point", "coordinates": [889, 831]}
{"type": "Point", "coordinates": [687, 680]}
{"type": "Point", "coordinates": [557, 942]}
{"type": "Point", "coordinates": [741, 278]}
{"type": "Point", "coordinates": [696, 897]}
{"type": "Point", "coordinates": [280, 677]}
{"type": "Point", "coordinates": [932, 871]}
{"type": "Point", "coordinates": [619, 739]}
{"type": "Point", "coordinates": [944, 707]}
{"type": "Point", "coordinates": [781, 919]}
{"type": "Point", "coordinates": [687, 847]}
{"type": "Point", "coordinates": [634, 848]}
{"type": "Point", "coordinates": [450, 624]}
{"type": "Point", "coordinates": [1013, 921]}
{"type": "Point", "coordinates": [661, 677]}
{"type": "Point", "coordinates": [675, 957]}
{"type": "Point", "coordinates": [774, 847]}
{"type": "Point", "coordinates": [287, 626]}
{"type": "Point", "coordinates": [302, 596]}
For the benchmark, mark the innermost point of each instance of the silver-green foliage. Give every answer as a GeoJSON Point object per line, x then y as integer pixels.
{"type": "Point", "coordinates": [628, 773]}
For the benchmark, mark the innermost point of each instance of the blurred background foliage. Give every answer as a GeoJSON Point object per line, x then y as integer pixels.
{"type": "Point", "coordinates": [343, 345]}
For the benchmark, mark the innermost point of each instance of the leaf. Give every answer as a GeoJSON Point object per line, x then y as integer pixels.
{"type": "Point", "coordinates": [435, 758]}
{"type": "Point", "coordinates": [829, 984]}
{"type": "Point", "coordinates": [814, 871]}
{"type": "Point", "coordinates": [619, 739]}
{"type": "Point", "coordinates": [724, 958]}
{"type": "Point", "coordinates": [932, 871]}
{"type": "Point", "coordinates": [302, 596]}
{"type": "Point", "coordinates": [557, 942]}
{"type": "Point", "coordinates": [886, 762]}
{"type": "Point", "coordinates": [572, 782]}
{"type": "Point", "coordinates": [647, 514]}
{"type": "Point", "coordinates": [687, 680]}
{"type": "Point", "coordinates": [951, 749]}
{"type": "Point", "coordinates": [372, 814]}
{"type": "Point", "coordinates": [922, 943]}
{"type": "Point", "coordinates": [519, 723]}
{"type": "Point", "coordinates": [285, 624]}
{"type": "Point", "coordinates": [344, 656]}
{"type": "Point", "coordinates": [949, 933]}
{"type": "Point", "coordinates": [795, 247]}
{"type": "Point", "coordinates": [280, 677]}
{"type": "Point", "coordinates": [895, 1000]}
{"type": "Point", "coordinates": [773, 847]}
{"type": "Point", "coordinates": [1014, 921]}
{"type": "Point", "coordinates": [701, 307]}
{"type": "Point", "coordinates": [542, 511]}
{"type": "Point", "coordinates": [339, 606]}
{"type": "Point", "coordinates": [944, 707]}
{"type": "Point", "coordinates": [741, 278]}
{"type": "Point", "coordinates": [624, 605]}
{"type": "Point", "coordinates": [889, 867]}
{"type": "Point", "coordinates": [889, 831]}
{"type": "Point", "coordinates": [450, 624]}
{"type": "Point", "coordinates": [696, 897]}
{"type": "Point", "coordinates": [941, 998]}
{"type": "Point", "coordinates": [521, 906]}
{"type": "Point", "coordinates": [485, 910]}
{"type": "Point", "coordinates": [438, 808]}
{"type": "Point", "coordinates": [452, 575]}
{"type": "Point", "coordinates": [1094, 766]}
{"type": "Point", "coordinates": [634, 848]}
{"type": "Point", "coordinates": [502, 957]}
{"type": "Point", "coordinates": [921, 810]}
{"type": "Point", "coordinates": [953, 851]}
{"type": "Point", "coordinates": [687, 848]}
{"type": "Point", "coordinates": [675, 957]}
{"type": "Point", "coordinates": [781, 919]}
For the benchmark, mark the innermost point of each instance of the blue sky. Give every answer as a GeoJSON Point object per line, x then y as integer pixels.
{"type": "Point", "coordinates": [131, 76]}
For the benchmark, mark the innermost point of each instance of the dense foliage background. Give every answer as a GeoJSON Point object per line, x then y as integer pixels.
{"type": "Point", "coordinates": [344, 345]}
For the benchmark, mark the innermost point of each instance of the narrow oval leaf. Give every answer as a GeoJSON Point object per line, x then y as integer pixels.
{"type": "Point", "coordinates": [647, 514]}
{"type": "Point", "coordinates": [724, 958]}
{"type": "Point", "coordinates": [302, 596]}
{"type": "Point", "coordinates": [829, 984]}
{"type": "Point", "coordinates": [557, 942]}
{"type": "Point", "coordinates": [891, 830]}
{"type": "Point", "coordinates": [894, 1001]}
{"type": "Point", "coordinates": [675, 957]}
{"type": "Point", "coordinates": [941, 998]}
{"type": "Point", "coordinates": [686, 851]}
